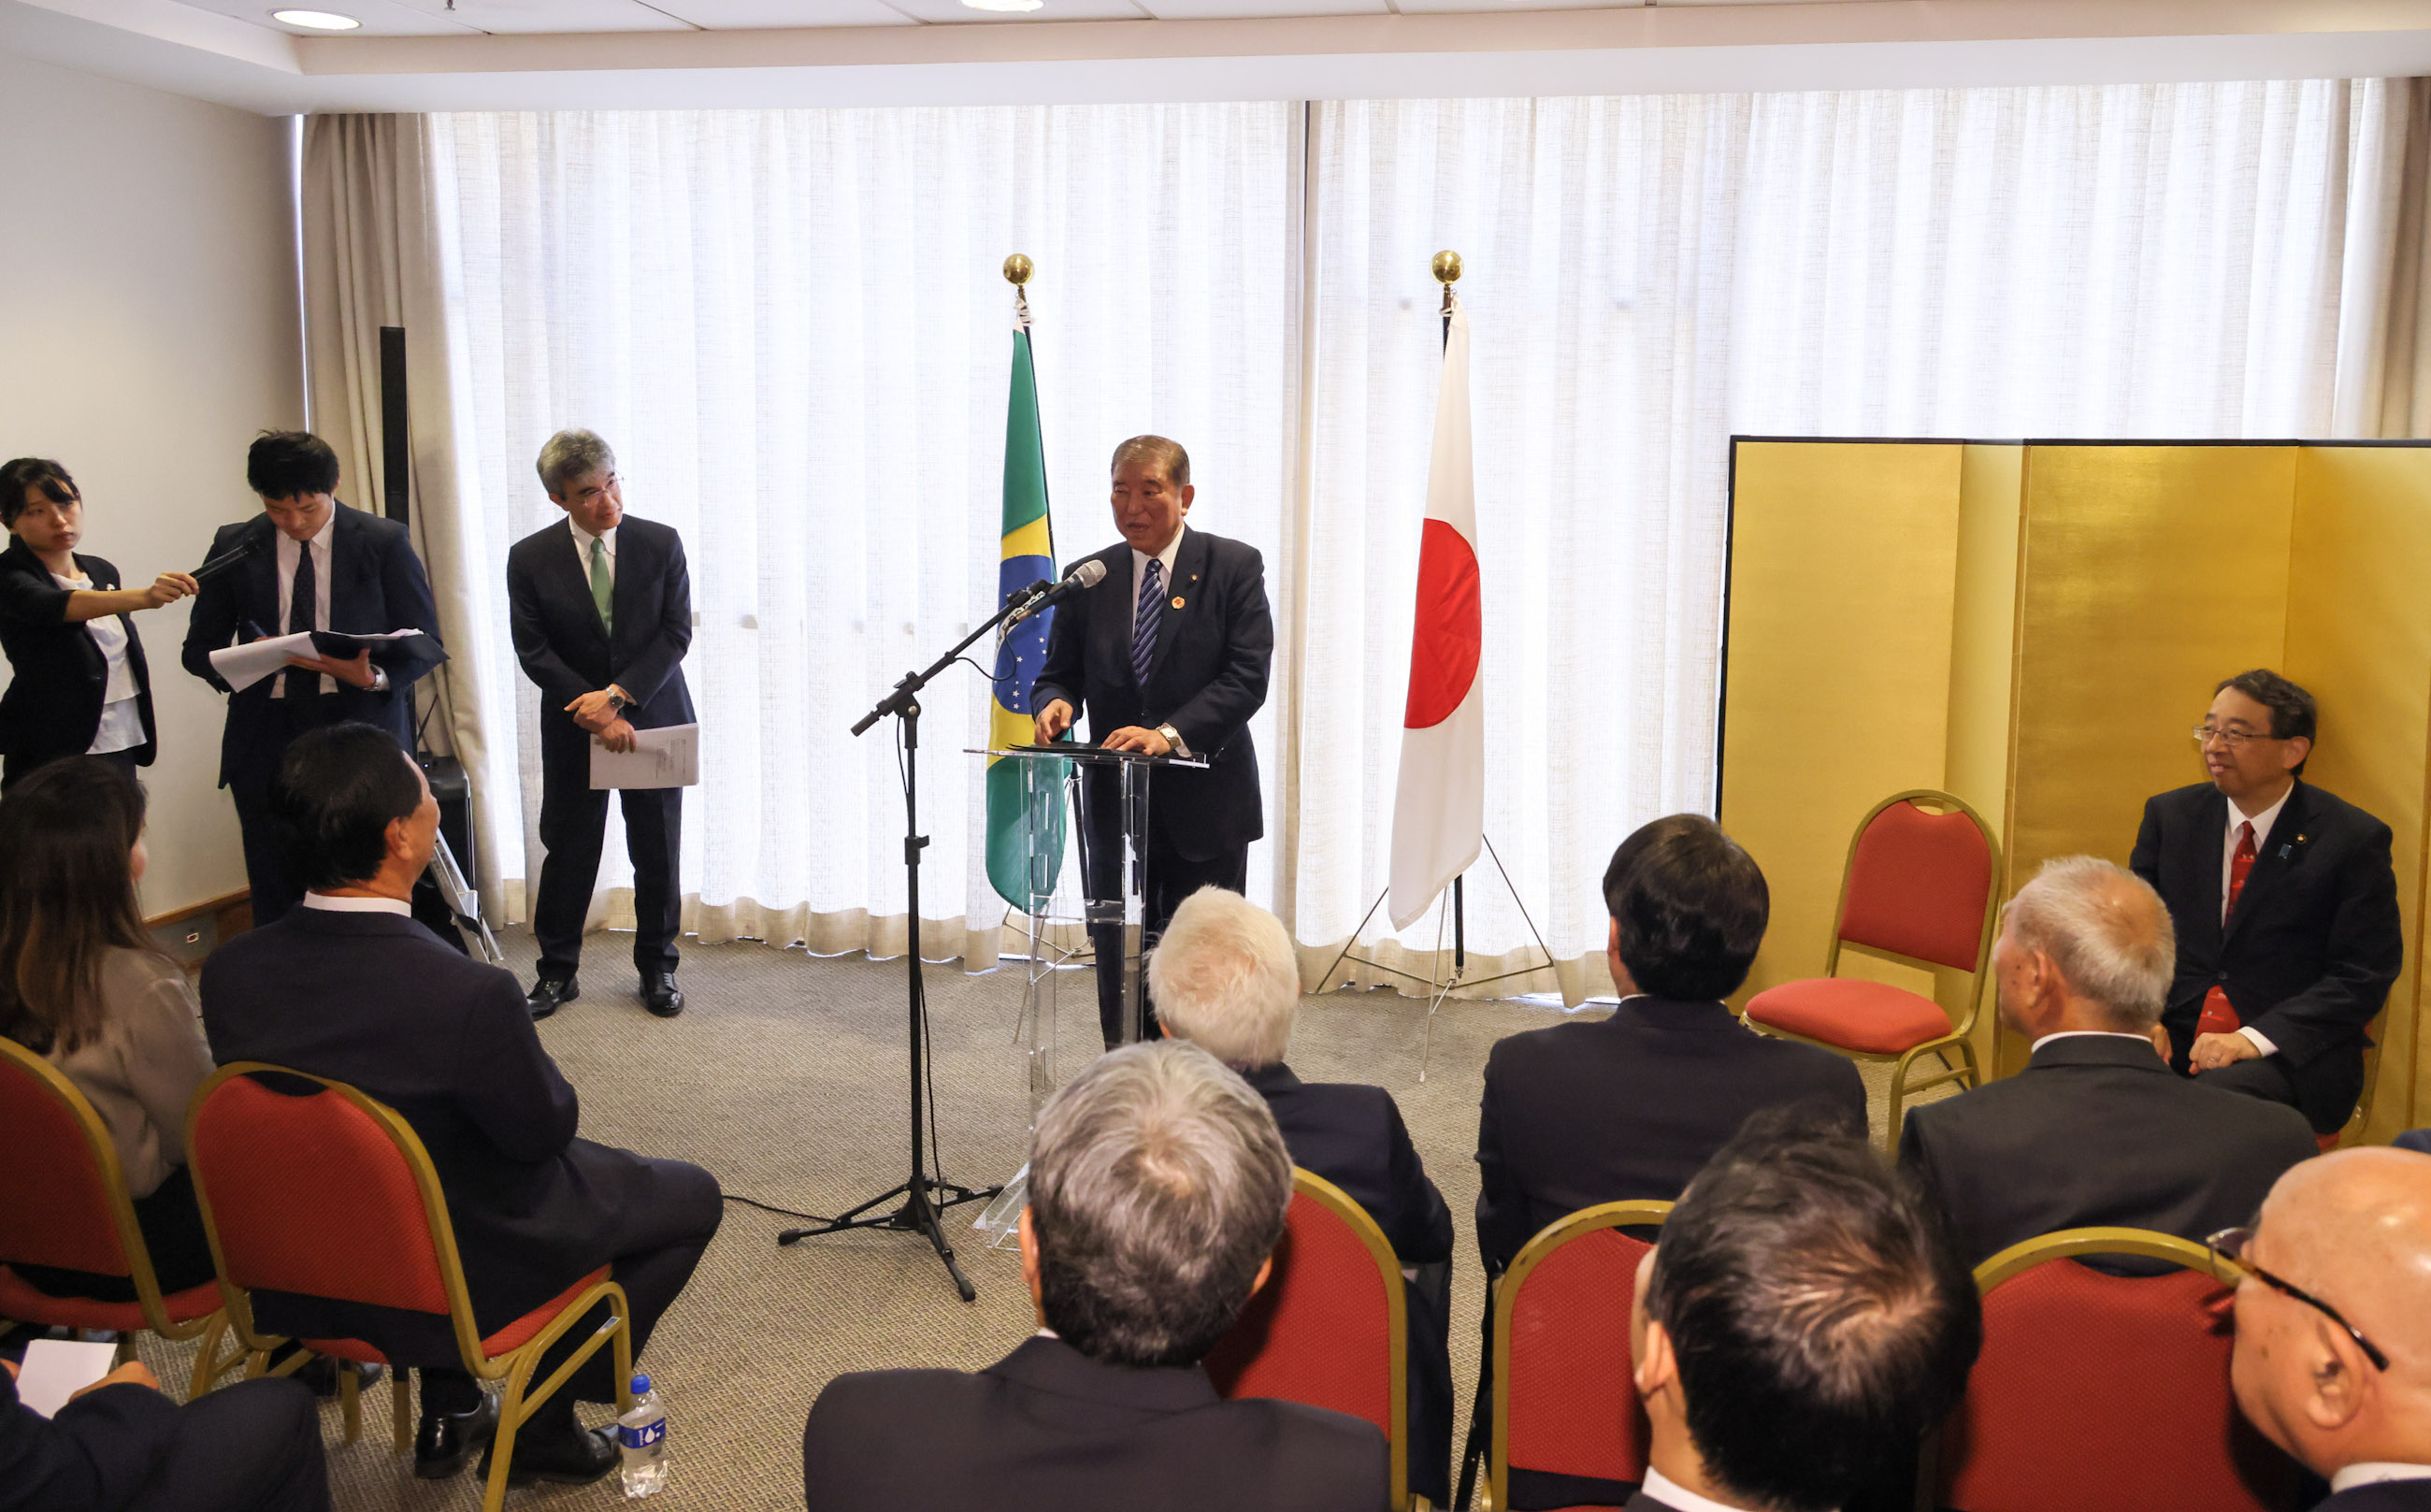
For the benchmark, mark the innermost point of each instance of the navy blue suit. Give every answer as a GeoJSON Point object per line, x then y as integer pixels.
{"type": "Point", "coordinates": [58, 675]}
{"type": "Point", "coordinates": [253, 1446]}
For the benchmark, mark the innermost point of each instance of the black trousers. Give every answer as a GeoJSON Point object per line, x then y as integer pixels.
{"type": "Point", "coordinates": [173, 1232]}
{"type": "Point", "coordinates": [573, 828]}
{"type": "Point", "coordinates": [1168, 877]}
{"type": "Point", "coordinates": [665, 1240]}
{"type": "Point", "coordinates": [1427, 1300]}
{"type": "Point", "coordinates": [254, 1446]}
{"type": "Point", "coordinates": [2325, 1093]}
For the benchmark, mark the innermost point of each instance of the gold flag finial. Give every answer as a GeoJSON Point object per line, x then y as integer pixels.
{"type": "Point", "coordinates": [1017, 269]}
{"type": "Point", "coordinates": [1446, 268]}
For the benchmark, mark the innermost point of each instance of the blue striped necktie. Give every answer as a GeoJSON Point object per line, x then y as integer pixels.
{"type": "Point", "coordinates": [1144, 620]}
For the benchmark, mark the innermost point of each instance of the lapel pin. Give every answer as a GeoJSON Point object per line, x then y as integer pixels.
{"type": "Point", "coordinates": [1177, 600]}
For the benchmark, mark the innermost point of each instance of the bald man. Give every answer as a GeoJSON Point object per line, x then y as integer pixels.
{"type": "Point", "coordinates": [2096, 1130]}
{"type": "Point", "coordinates": [2333, 1358]}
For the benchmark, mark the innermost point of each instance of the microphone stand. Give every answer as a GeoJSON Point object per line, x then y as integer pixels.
{"type": "Point", "coordinates": [925, 1196]}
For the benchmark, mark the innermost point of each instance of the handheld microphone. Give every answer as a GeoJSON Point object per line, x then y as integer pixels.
{"type": "Point", "coordinates": [1087, 575]}
{"type": "Point", "coordinates": [223, 562]}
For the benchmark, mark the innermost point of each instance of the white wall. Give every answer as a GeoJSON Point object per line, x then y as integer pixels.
{"type": "Point", "coordinates": [147, 330]}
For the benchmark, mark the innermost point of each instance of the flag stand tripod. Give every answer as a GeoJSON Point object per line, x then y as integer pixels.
{"type": "Point", "coordinates": [1439, 988]}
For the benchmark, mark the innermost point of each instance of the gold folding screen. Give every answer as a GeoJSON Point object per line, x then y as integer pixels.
{"type": "Point", "coordinates": [2036, 627]}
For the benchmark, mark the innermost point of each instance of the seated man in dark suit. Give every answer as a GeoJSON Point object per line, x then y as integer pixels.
{"type": "Point", "coordinates": [2347, 1392]}
{"type": "Point", "coordinates": [1800, 1327]}
{"type": "Point", "coordinates": [1630, 1107]}
{"type": "Point", "coordinates": [1226, 979]}
{"type": "Point", "coordinates": [2286, 907]}
{"type": "Point", "coordinates": [2414, 1139]}
{"type": "Point", "coordinates": [1157, 1191]}
{"type": "Point", "coordinates": [2095, 1129]}
{"type": "Point", "coordinates": [120, 1446]}
{"type": "Point", "coordinates": [347, 986]}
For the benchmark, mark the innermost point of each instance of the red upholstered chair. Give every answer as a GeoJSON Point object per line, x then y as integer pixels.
{"type": "Point", "coordinates": [63, 1202]}
{"type": "Point", "coordinates": [2103, 1393]}
{"type": "Point", "coordinates": [326, 1193]}
{"type": "Point", "coordinates": [1922, 888]}
{"type": "Point", "coordinates": [1329, 1328]}
{"type": "Point", "coordinates": [1564, 1402]}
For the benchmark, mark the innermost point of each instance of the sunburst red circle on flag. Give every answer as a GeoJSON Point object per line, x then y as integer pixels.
{"type": "Point", "coordinates": [1449, 634]}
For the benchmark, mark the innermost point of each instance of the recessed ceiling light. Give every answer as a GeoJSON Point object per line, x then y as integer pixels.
{"type": "Point", "coordinates": [1004, 5]}
{"type": "Point", "coordinates": [317, 20]}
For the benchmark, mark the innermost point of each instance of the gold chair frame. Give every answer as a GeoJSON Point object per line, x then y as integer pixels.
{"type": "Point", "coordinates": [514, 1368]}
{"type": "Point", "coordinates": [1961, 1037]}
{"type": "Point", "coordinates": [210, 1364]}
{"type": "Point", "coordinates": [1397, 1320]}
{"type": "Point", "coordinates": [1495, 1493]}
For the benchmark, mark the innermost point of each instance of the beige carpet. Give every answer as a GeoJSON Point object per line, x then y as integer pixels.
{"type": "Point", "coordinates": [785, 1078]}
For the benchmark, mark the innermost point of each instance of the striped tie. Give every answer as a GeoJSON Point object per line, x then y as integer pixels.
{"type": "Point", "coordinates": [1144, 620]}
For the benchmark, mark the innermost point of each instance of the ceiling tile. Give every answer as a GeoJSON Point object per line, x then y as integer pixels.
{"type": "Point", "coordinates": [1233, 9]}
{"type": "Point", "coordinates": [509, 17]}
{"type": "Point", "coordinates": [1489, 6]}
{"type": "Point", "coordinates": [954, 11]}
{"type": "Point", "coordinates": [380, 18]}
{"type": "Point", "coordinates": [763, 15]}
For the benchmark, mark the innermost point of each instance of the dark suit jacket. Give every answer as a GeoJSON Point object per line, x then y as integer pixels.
{"type": "Point", "coordinates": [2418, 1140]}
{"type": "Point", "coordinates": [57, 674]}
{"type": "Point", "coordinates": [376, 585]}
{"type": "Point", "coordinates": [2381, 1496]}
{"type": "Point", "coordinates": [2308, 957]}
{"type": "Point", "coordinates": [1207, 677]}
{"type": "Point", "coordinates": [1628, 1108]}
{"type": "Point", "coordinates": [94, 1456]}
{"type": "Point", "coordinates": [2098, 1131]}
{"type": "Point", "coordinates": [1353, 1137]}
{"type": "Point", "coordinates": [566, 649]}
{"type": "Point", "coordinates": [1047, 1428]}
{"type": "Point", "coordinates": [375, 1000]}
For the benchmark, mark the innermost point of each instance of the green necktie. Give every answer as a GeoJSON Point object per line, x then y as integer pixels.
{"type": "Point", "coordinates": [603, 587]}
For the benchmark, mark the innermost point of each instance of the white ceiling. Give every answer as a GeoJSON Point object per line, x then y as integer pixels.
{"type": "Point", "coordinates": [417, 55]}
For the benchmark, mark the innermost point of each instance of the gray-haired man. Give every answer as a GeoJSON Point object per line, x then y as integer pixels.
{"type": "Point", "coordinates": [2096, 1130]}
{"type": "Point", "coordinates": [1157, 1192]}
{"type": "Point", "coordinates": [601, 608]}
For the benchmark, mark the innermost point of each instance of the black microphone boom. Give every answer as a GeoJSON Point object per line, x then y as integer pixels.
{"type": "Point", "coordinates": [223, 562]}
{"type": "Point", "coordinates": [1038, 595]}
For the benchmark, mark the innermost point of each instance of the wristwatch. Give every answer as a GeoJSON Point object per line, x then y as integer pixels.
{"type": "Point", "coordinates": [379, 680]}
{"type": "Point", "coordinates": [617, 703]}
{"type": "Point", "coordinates": [1173, 738]}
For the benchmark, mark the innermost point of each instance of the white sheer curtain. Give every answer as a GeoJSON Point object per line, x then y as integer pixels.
{"type": "Point", "coordinates": [791, 328]}
{"type": "Point", "coordinates": [1648, 276]}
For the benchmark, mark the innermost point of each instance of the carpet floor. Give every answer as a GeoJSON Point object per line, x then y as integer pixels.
{"type": "Point", "coordinates": [785, 1076]}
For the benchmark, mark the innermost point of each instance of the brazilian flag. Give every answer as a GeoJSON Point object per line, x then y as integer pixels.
{"type": "Point", "coordinates": [1027, 555]}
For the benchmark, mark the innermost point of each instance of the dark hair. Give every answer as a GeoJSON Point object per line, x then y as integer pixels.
{"type": "Point", "coordinates": [338, 790]}
{"type": "Point", "coordinates": [1691, 906]}
{"type": "Point", "coordinates": [33, 472]}
{"type": "Point", "coordinates": [67, 897]}
{"type": "Point", "coordinates": [284, 463]}
{"type": "Point", "coordinates": [2293, 713]}
{"type": "Point", "coordinates": [1823, 1320]}
{"type": "Point", "coordinates": [1171, 463]}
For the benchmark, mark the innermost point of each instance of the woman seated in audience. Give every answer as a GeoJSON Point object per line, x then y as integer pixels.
{"type": "Point", "coordinates": [82, 984]}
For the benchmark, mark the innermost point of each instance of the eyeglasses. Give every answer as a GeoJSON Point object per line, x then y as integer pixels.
{"type": "Point", "coordinates": [2229, 1244]}
{"type": "Point", "coordinates": [2206, 734]}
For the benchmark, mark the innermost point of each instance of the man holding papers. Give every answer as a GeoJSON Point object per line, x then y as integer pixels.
{"type": "Point", "coordinates": [602, 606]}
{"type": "Point", "coordinates": [306, 562]}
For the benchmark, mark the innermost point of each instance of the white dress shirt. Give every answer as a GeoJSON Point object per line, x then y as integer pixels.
{"type": "Point", "coordinates": [121, 722]}
{"type": "Point", "coordinates": [358, 905]}
{"type": "Point", "coordinates": [290, 552]}
{"type": "Point", "coordinates": [2372, 1473]}
{"type": "Point", "coordinates": [2262, 823]}
{"type": "Point", "coordinates": [2089, 1033]}
{"type": "Point", "coordinates": [582, 540]}
{"type": "Point", "coordinates": [1661, 1488]}
{"type": "Point", "coordinates": [1139, 569]}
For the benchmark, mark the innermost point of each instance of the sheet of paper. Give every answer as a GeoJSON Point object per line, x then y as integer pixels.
{"type": "Point", "coordinates": [660, 758]}
{"type": "Point", "coordinates": [58, 1368]}
{"type": "Point", "coordinates": [246, 664]}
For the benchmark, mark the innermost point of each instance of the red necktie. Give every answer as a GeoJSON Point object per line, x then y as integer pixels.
{"type": "Point", "coordinates": [2218, 1017]}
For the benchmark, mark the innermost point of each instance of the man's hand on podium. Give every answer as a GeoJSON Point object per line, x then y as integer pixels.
{"type": "Point", "coordinates": [1053, 720]}
{"type": "Point", "coordinates": [1133, 737]}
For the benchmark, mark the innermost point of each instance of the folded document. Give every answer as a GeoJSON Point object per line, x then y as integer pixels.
{"type": "Point", "coordinates": [245, 664]}
{"type": "Point", "coordinates": [660, 758]}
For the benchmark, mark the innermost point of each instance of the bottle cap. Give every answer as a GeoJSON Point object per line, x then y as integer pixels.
{"type": "Point", "coordinates": [641, 1383]}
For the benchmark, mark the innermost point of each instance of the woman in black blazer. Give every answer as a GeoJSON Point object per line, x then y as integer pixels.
{"type": "Point", "coordinates": [78, 683]}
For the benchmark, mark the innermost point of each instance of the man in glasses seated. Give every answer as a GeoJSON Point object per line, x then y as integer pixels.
{"type": "Point", "coordinates": [2285, 909]}
{"type": "Point", "coordinates": [2333, 1360]}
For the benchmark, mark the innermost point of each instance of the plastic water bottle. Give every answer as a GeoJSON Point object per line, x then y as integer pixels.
{"type": "Point", "coordinates": [642, 1433]}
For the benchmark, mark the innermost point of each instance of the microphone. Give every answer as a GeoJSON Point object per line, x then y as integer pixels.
{"type": "Point", "coordinates": [1087, 575]}
{"type": "Point", "coordinates": [223, 562]}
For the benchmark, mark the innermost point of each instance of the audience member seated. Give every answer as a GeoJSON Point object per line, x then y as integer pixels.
{"type": "Point", "coordinates": [349, 986]}
{"type": "Point", "coordinates": [1631, 1108]}
{"type": "Point", "coordinates": [1800, 1327]}
{"type": "Point", "coordinates": [120, 1446]}
{"type": "Point", "coordinates": [1226, 979]}
{"type": "Point", "coordinates": [82, 985]}
{"type": "Point", "coordinates": [2333, 1359]}
{"type": "Point", "coordinates": [2418, 1140]}
{"type": "Point", "coordinates": [2096, 1130]}
{"type": "Point", "coordinates": [1158, 1185]}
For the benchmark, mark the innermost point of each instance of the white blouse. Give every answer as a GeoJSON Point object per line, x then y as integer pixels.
{"type": "Point", "coordinates": [122, 725]}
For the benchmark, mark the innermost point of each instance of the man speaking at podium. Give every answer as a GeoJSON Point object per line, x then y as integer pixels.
{"type": "Point", "coordinates": [1168, 653]}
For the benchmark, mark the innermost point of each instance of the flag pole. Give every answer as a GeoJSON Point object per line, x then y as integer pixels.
{"type": "Point", "coordinates": [1447, 270]}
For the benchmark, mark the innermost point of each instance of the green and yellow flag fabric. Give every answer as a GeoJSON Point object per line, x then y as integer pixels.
{"type": "Point", "coordinates": [1028, 554]}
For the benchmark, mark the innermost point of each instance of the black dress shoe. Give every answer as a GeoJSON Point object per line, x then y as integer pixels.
{"type": "Point", "coordinates": [446, 1440]}
{"type": "Point", "coordinates": [321, 1373]}
{"type": "Point", "coordinates": [549, 994]}
{"type": "Point", "coordinates": [661, 995]}
{"type": "Point", "coordinates": [566, 1457]}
